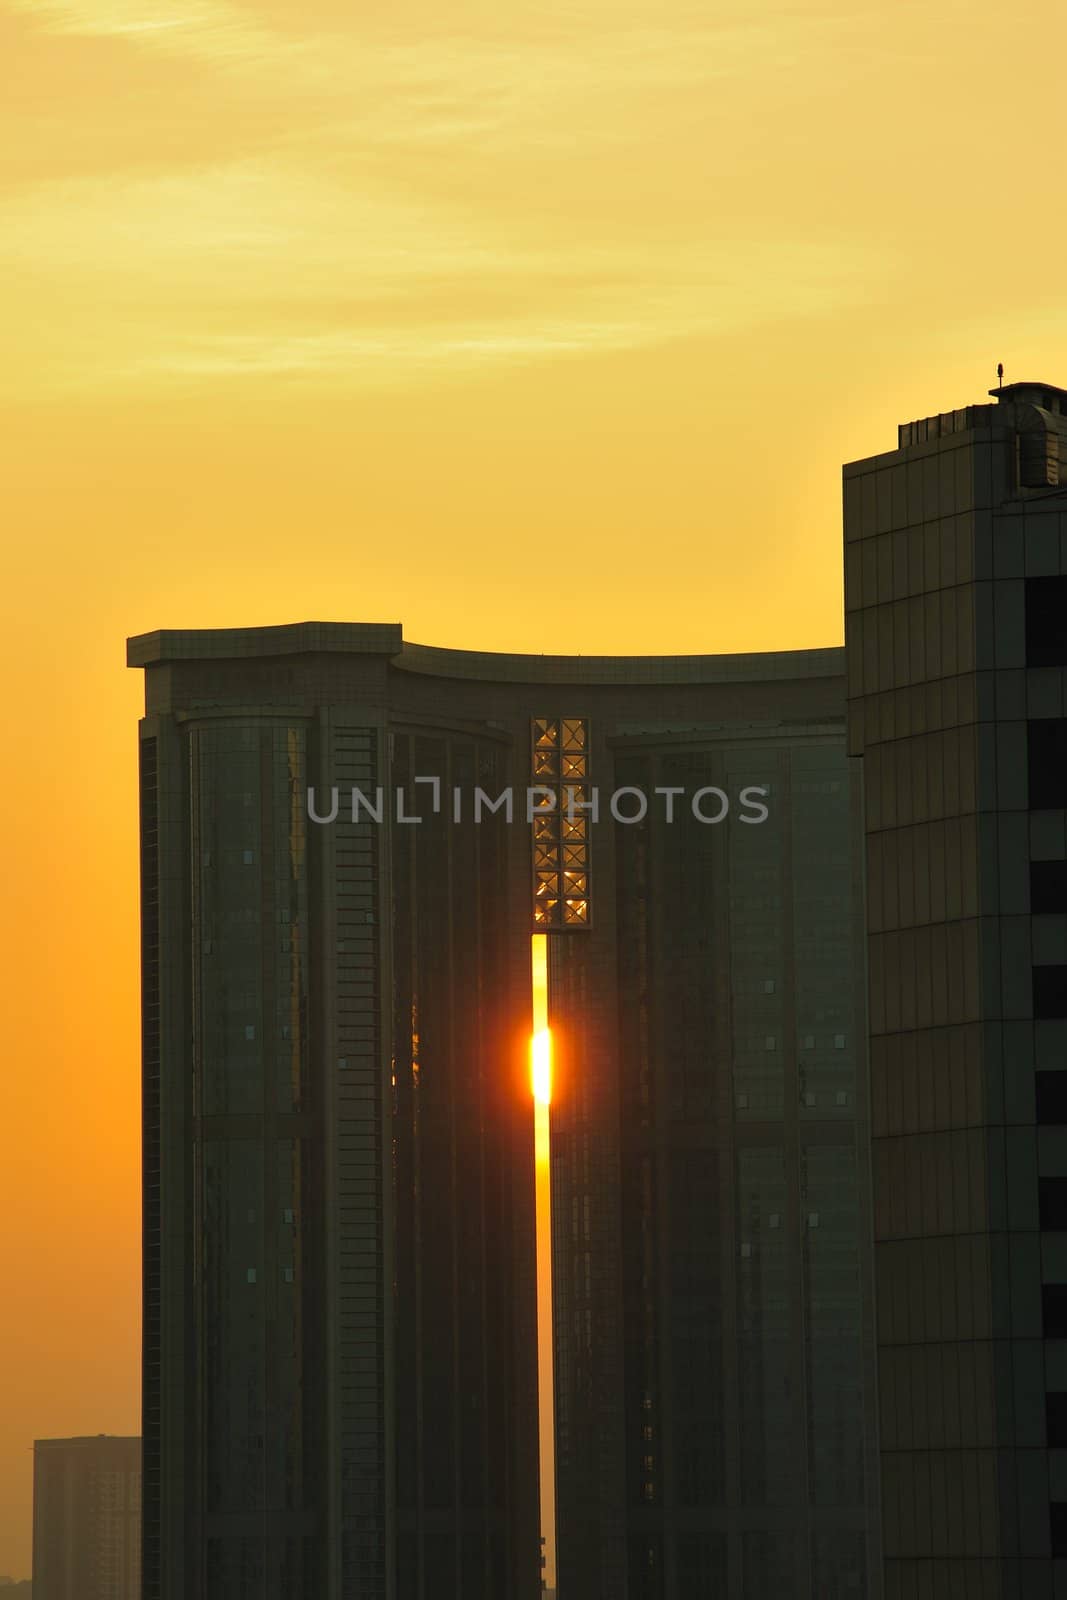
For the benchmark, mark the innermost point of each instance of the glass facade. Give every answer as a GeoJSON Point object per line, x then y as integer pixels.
{"type": "Point", "coordinates": [740, 1349]}
{"type": "Point", "coordinates": [254, 1188]}
{"type": "Point", "coordinates": [452, 1180]}
{"type": "Point", "coordinates": [340, 1356]}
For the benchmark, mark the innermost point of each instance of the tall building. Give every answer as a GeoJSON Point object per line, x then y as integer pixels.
{"type": "Point", "coordinates": [340, 1381]}
{"type": "Point", "coordinates": [956, 598]}
{"type": "Point", "coordinates": [87, 1519]}
{"type": "Point", "coordinates": [715, 1340]}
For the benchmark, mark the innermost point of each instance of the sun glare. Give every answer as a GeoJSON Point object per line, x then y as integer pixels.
{"type": "Point", "coordinates": [541, 1042]}
{"type": "Point", "coordinates": [541, 1080]}
{"type": "Point", "coordinates": [541, 1056]}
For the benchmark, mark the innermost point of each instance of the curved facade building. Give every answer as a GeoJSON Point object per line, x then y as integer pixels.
{"type": "Point", "coordinates": [347, 842]}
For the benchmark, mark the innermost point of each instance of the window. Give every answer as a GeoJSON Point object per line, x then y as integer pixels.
{"type": "Point", "coordinates": [1051, 1095]}
{"type": "Point", "coordinates": [1047, 762]}
{"type": "Point", "coordinates": [561, 886]}
{"type": "Point", "coordinates": [1048, 887]}
{"type": "Point", "coordinates": [1056, 1420]}
{"type": "Point", "coordinates": [1054, 1310]}
{"type": "Point", "coordinates": [1058, 1521]}
{"type": "Point", "coordinates": [1046, 622]}
{"type": "Point", "coordinates": [1050, 993]}
{"type": "Point", "coordinates": [1052, 1204]}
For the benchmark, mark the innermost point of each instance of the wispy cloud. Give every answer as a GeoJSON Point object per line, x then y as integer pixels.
{"type": "Point", "coordinates": [242, 271]}
{"type": "Point", "coordinates": [209, 28]}
{"type": "Point", "coordinates": [522, 64]}
{"type": "Point", "coordinates": [386, 203]}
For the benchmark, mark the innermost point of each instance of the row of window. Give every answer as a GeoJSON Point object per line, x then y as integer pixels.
{"type": "Point", "coordinates": [838, 1097]}
{"type": "Point", "coordinates": [559, 764]}
{"type": "Point", "coordinates": [771, 1041]}
{"type": "Point", "coordinates": [1046, 646]}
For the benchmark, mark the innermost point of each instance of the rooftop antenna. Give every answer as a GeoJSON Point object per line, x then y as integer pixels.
{"type": "Point", "coordinates": [1000, 374]}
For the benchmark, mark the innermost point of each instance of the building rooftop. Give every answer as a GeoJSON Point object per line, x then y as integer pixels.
{"type": "Point", "coordinates": [1044, 395]}
{"type": "Point", "coordinates": [386, 639]}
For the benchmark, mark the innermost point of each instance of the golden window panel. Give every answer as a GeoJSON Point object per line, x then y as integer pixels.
{"type": "Point", "coordinates": [559, 774]}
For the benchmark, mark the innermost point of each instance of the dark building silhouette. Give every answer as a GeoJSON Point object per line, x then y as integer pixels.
{"type": "Point", "coordinates": [340, 1315]}
{"type": "Point", "coordinates": [339, 1340]}
{"type": "Point", "coordinates": [956, 596]}
{"type": "Point", "coordinates": [87, 1519]}
{"type": "Point", "coordinates": [714, 1352]}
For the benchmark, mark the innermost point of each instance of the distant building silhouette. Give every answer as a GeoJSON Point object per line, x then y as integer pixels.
{"type": "Point", "coordinates": [340, 1316]}
{"type": "Point", "coordinates": [87, 1519]}
{"type": "Point", "coordinates": [956, 597]}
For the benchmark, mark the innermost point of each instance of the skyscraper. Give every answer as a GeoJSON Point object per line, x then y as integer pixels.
{"type": "Point", "coordinates": [339, 1337]}
{"type": "Point", "coordinates": [956, 598]}
{"type": "Point", "coordinates": [87, 1518]}
{"type": "Point", "coordinates": [715, 1341]}
{"type": "Point", "coordinates": [340, 1317]}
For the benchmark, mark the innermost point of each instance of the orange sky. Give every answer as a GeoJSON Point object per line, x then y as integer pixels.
{"type": "Point", "coordinates": [538, 326]}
